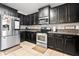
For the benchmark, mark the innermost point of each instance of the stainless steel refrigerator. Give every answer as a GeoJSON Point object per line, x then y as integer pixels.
{"type": "Point", "coordinates": [9, 34]}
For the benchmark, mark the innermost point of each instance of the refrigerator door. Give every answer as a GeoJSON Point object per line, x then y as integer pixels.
{"type": "Point", "coordinates": [3, 43]}
{"type": "Point", "coordinates": [7, 25]}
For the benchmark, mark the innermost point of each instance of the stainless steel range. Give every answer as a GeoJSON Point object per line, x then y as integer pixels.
{"type": "Point", "coordinates": [41, 37]}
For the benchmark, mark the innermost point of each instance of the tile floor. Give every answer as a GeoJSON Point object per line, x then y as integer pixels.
{"type": "Point", "coordinates": [27, 50]}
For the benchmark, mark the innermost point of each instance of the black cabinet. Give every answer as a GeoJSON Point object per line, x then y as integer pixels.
{"type": "Point", "coordinates": [44, 11]}
{"type": "Point", "coordinates": [22, 36]}
{"type": "Point", "coordinates": [35, 18]}
{"type": "Point", "coordinates": [25, 21]}
{"type": "Point", "coordinates": [58, 14]}
{"type": "Point", "coordinates": [55, 41]}
{"type": "Point", "coordinates": [30, 36]}
{"type": "Point", "coordinates": [58, 41]}
{"type": "Point", "coordinates": [66, 13]}
{"type": "Point", "coordinates": [70, 46]}
{"type": "Point", "coordinates": [63, 42]}
{"type": "Point", "coordinates": [31, 19]}
{"type": "Point", "coordinates": [51, 41]}
{"type": "Point", "coordinates": [62, 13]}
{"type": "Point", "coordinates": [73, 12]}
{"type": "Point", "coordinates": [53, 15]}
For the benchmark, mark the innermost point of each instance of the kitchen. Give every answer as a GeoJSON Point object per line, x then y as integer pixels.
{"type": "Point", "coordinates": [48, 29]}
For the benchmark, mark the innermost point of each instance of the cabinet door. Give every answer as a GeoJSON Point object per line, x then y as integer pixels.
{"type": "Point", "coordinates": [28, 36]}
{"type": "Point", "coordinates": [33, 37]}
{"type": "Point", "coordinates": [69, 44]}
{"type": "Point", "coordinates": [50, 41]}
{"type": "Point", "coordinates": [25, 22]}
{"type": "Point", "coordinates": [22, 36]}
{"type": "Point", "coordinates": [40, 13]}
{"type": "Point", "coordinates": [32, 19]}
{"type": "Point", "coordinates": [53, 15]}
{"type": "Point", "coordinates": [46, 12]}
{"type": "Point", "coordinates": [36, 18]}
{"type": "Point", "coordinates": [73, 12]}
{"type": "Point", "coordinates": [62, 15]}
{"type": "Point", "coordinates": [59, 44]}
{"type": "Point", "coordinates": [28, 19]}
{"type": "Point", "coordinates": [59, 41]}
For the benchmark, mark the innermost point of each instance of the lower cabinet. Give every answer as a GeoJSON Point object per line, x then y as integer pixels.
{"type": "Point", "coordinates": [65, 43]}
{"type": "Point", "coordinates": [55, 41]}
{"type": "Point", "coordinates": [22, 36]}
{"type": "Point", "coordinates": [30, 37]}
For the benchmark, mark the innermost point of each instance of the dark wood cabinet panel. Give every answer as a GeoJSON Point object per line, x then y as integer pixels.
{"type": "Point", "coordinates": [62, 13]}
{"type": "Point", "coordinates": [63, 42]}
{"type": "Point", "coordinates": [22, 36]}
{"type": "Point", "coordinates": [58, 14]}
{"type": "Point", "coordinates": [31, 37]}
{"type": "Point", "coordinates": [28, 36]}
{"type": "Point", "coordinates": [66, 13]}
{"type": "Point", "coordinates": [51, 41]}
{"type": "Point", "coordinates": [31, 19]}
{"type": "Point", "coordinates": [36, 18]}
{"type": "Point", "coordinates": [44, 11]}
{"type": "Point", "coordinates": [21, 18]}
{"type": "Point", "coordinates": [55, 41]}
{"type": "Point", "coordinates": [73, 12]}
{"type": "Point", "coordinates": [53, 15]}
{"type": "Point", "coordinates": [70, 44]}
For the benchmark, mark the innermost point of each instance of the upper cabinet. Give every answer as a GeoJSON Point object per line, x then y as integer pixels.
{"type": "Point", "coordinates": [35, 18]}
{"type": "Point", "coordinates": [53, 15]}
{"type": "Point", "coordinates": [58, 14]}
{"type": "Point", "coordinates": [21, 18]}
{"type": "Point", "coordinates": [66, 13]}
{"type": "Point", "coordinates": [44, 12]}
{"type": "Point", "coordinates": [44, 15]}
{"type": "Point", "coordinates": [62, 14]}
{"type": "Point", "coordinates": [31, 19]}
{"type": "Point", "coordinates": [73, 12]}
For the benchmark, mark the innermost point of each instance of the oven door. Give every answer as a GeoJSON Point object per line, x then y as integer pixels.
{"type": "Point", "coordinates": [41, 37]}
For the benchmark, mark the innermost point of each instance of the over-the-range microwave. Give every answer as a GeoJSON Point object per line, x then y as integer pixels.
{"type": "Point", "coordinates": [44, 20]}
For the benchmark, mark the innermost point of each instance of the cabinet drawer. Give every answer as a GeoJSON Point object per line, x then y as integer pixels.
{"type": "Point", "coordinates": [69, 36]}
{"type": "Point", "coordinates": [58, 36]}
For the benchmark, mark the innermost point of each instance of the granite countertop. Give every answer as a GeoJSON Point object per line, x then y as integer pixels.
{"type": "Point", "coordinates": [36, 30]}
{"type": "Point", "coordinates": [30, 30]}
{"type": "Point", "coordinates": [64, 33]}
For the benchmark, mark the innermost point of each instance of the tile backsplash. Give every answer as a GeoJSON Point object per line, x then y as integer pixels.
{"type": "Point", "coordinates": [58, 26]}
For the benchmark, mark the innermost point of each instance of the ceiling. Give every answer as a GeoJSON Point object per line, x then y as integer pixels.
{"type": "Point", "coordinates": [29, 8]}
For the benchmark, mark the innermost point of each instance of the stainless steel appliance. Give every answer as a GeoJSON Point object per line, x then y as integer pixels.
{"type": "Point", "coordinates": [41, 37]}
{"type": "Point", "coordinates": [9, 37]}
{"type": "Point", "coordinates": [44, 20]}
